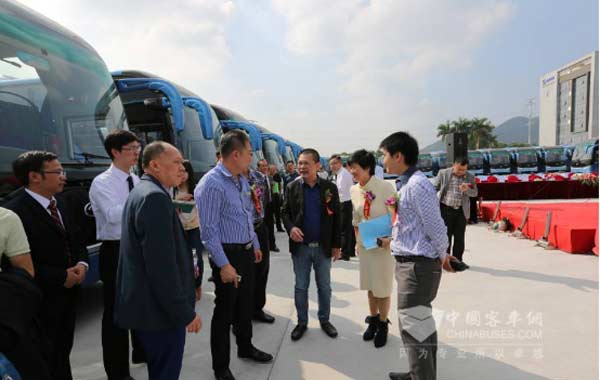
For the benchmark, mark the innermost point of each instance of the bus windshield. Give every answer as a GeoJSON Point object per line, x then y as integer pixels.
{"type": "Point", "coordinates": [526, 157]}
{"type": "Point", "coordinates": [475, 160]}
{"type": "Point", "coordinates": [56, 94]}
{"type": "Point", "coordinates": [582, 156]}
{"type": "Point", "coordinates": [272, 154]}
{"type": "Point", "coordinates": [289, 154]}
{"type": "Point", "coordinates": [555, 155]}
{"type": "Point", "coordinates": [425, 162]}
{"type": "Point", "coordinates": [500, 158]}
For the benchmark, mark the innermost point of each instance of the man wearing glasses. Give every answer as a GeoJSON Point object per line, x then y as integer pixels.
{"type": "Point", "coordinates": [108, 194]}
{"type": "Point", "coordinates": [59, 255]}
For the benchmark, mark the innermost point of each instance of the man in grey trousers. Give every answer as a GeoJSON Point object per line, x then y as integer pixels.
{"type": "Point", "coordinates": [418, 244]}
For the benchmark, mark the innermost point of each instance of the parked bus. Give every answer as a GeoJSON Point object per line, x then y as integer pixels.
{"type": "Point", "coordinates": [497, 161]}
{"type": "Point", "coordinates": [56, 94]}
{"type": "Point", "coordinates": [294, 149]}
{"type": "Point", "coordinates": [475, 162]}
{"type": "Point", "coordinates": [556, 159]}
{"type": "Point", "coordinates": [439, 161]}
{"type": "Point", "coordinates": [526, 160]}
{"type": "Point", "coordinates": [273, 148]}
{"type": "Point", "coordinates": [160, 110]}
{"type": "Point", "coordinates": [425, 164]}
{"type": "Point", "coordinates": [585, 157]}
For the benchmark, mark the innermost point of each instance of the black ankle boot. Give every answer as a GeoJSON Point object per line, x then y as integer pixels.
{"type": "Point", "coordinates": [382, 333]}
{"type": "Point", "coordinates": [372, 329]}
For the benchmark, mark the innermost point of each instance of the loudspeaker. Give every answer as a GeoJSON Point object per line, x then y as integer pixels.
{"type": "Point", "coordinates": [457, 145]}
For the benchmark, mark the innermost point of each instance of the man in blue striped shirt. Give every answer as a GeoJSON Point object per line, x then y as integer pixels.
{"type": "Point", "coordinates": [419, 244]}
{"type": "Point", "coordinates": [227, 229]}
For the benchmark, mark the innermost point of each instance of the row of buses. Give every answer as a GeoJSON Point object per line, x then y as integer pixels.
{"type": "Point", "coordinates": [57, 94]}
{"type": "Point", "coordinates": [580, 158]}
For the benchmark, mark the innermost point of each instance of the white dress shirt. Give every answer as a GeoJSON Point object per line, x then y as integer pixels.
{"type": "Point", "coordinates": [344, 182]}
{"type": "Point", "coordinates": [108, 194]}
{"type": "Point", "coordinates": [45, 202]}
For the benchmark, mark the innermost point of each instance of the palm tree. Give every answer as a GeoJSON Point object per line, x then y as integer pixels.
{"type": "Point", "coordinates": [445, 129]}
{"type": "Point", "coordinates": [481, 133]}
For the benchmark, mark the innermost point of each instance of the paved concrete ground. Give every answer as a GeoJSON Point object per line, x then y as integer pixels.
{"type": "Point", "coordinates": [519, 313]}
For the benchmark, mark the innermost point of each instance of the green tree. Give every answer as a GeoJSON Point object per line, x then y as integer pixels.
{"type": "Point", "coordinates": [445, 129]}
{"type": "Point", "coordinates": [481, 133]}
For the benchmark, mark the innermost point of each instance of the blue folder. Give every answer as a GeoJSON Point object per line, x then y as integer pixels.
{"type": "Point", "coordinates": [375, 228]}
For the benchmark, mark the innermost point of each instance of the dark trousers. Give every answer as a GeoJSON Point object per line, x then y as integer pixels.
{"type": "Point", "coordinates": [232, 306]}
{"type": "Point", "coordinates": [195, 241]}
{"type": "Point", "coordinates": [473, 218]}
{"type": "Point", "coordinates": [57, 320]}
{"type": "Point", "coordinates": [270, 224]}
{"type": "Point", "coordinates": [262, 268]}
{"type": "Point", "coordinates": [348, 238]}
{"type": "Point", "coordinates": [456, 224]}
{"type": "Point", "coordinates": [276, 207]}
{"type": "Point", "coordinates": [115, 340]}
{"type": "Point", "coordinates": [26, 355]}
{"type": "Point", "coordinates": [164, 352]}
{"type": "Point", "coordinates": [418, 283]}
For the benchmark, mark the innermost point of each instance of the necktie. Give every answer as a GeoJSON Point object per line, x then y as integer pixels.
{"type": "Point", "coordinates": [130, 183]}
{"type": "Point", "coordinates": [54, 213]}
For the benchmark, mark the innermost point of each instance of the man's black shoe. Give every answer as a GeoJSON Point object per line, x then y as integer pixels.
{"type": "Point", "coordinates": [274, 249]}
{"type": "Point", "coordinates": [458, 266]}
{"type": "Point", "coordinates": [256, 355]}
{"type": "Point", "coordinates": [224, 375]}
{"type": "Point", "coordinates": [399, 376]}
{"type": "Point", "coordinates": [261, 316]}
{"type": "Point", "coordinates": [137, 358]}
{"type": "Point", "coordinates": [298, 331]}
{"type": "Point", "coordinates": [329, 329]}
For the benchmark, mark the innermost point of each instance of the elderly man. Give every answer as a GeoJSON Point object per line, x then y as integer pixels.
{"type": "Point", "coordinates": [455, 186]}
{"type": "Point", "coordinates": [155, 293]}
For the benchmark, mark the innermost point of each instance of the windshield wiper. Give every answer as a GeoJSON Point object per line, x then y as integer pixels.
{"type": "Point", "coordinates": [86, 157]}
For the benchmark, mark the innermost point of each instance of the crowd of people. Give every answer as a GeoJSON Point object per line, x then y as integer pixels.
{"type": "Point", "coordinates": [154, 228]}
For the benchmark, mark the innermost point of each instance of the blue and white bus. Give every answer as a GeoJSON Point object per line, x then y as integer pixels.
{"type": "Point", "coordinates": [556, 159]}
{"type": "Point", "coordinates": [439, 161]}
{"type": "Point", "coordinates": [497, 161]}
{"type": "Point", "coordinates": [585, 157]}
{"type": "Point", "coordinates": [525, 160]}
{"type": "Point", "coordinates": [56, 94]}
{"type": "Point", "coordinates": [475, 162]}
{"type": "Point", "coordinates": [425, 164]}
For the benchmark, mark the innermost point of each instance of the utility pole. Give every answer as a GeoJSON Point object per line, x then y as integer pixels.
{"type": "Point", "coordinates": [530, 103]}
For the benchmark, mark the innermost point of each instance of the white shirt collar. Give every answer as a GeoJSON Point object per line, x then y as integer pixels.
{"type": "Point", "coordinates": [120, 174]}
{"type": "Point", "coordinates": [42, 200]}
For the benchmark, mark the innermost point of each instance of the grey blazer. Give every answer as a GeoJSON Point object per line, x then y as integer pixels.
{"type": "Point", "coordinates": [155, 277]}
{"type": "Point", "coordinates": [442, 182]}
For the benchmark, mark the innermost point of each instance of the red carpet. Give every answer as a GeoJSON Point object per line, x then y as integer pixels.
{"type": "Point", "coordinates": [573, 229]}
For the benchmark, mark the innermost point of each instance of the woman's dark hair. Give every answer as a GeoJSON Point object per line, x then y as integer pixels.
{"type": "Point", "coordinates": [191, 181]}
{"type": "Point", "coordinates": [402, 142]}
{"type": "Point", "coordinates": [364, 159]}
{"type": "Point", "coordinates": [32, 161]}
{"type": "Point", "coordinates": [117, 140]}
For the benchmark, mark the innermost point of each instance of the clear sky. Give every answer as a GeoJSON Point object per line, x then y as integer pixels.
{"type": "Point", "coordinates": [339, 75]}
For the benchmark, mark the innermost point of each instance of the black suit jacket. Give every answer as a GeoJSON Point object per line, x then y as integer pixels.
{"type": "Point", "coordinates": [155, 277]}
{"type": "Point", "coordinates": [48, 242]}
{"type": "Point", "coordinates": [293, 214]}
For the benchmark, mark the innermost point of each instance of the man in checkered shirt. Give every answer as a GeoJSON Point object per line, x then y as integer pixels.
{"type": "Point", "coordinates": [419, 244]}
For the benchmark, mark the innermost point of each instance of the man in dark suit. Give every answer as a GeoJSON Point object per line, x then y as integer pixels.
{"type": "Point", "coordinates": [59, 257]}
{"type": "Point", "coordinates": [155, 292]}
{"type": "Point", "coordinates": [311, 215]}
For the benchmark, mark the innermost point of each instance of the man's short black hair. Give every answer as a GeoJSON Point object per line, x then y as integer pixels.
{"type": "Point", "coordinates": [117, 139]}
{"type": "Point", "coordinates": [364, 159]}
{"type": "Point", "coordinates": [462, 161]}
{"type": "Point", "coordinates": [232, 141]}
{"type": "Point", "coordinates": [402, 142]}
{"type": "Point", "coordinates": [289, 162]}
{"type": "Point", "coordinates": [313, 153]}
{"type": "Point", "coordinates": [335, 157]}
{"type": "Point", "coordinates": [152, 151]}
{"type": "Point", "coordinates": [32, 161]}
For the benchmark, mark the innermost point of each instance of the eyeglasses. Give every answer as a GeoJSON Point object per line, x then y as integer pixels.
{"type": "Point", "coordinates": [58, 172]}
{"type": "Point", "coordinates": [136, 148]}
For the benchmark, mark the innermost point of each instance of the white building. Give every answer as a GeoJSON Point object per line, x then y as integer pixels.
{"type": "Point", "coordinates": [569, 103]}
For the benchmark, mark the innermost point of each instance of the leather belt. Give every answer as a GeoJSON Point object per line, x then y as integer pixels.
{"type": "Point", "coordinates": [233, 246]}
{"type": "Point", "coordinates": [452, 207]}
{"type": "Point", "coordinates": [412, 259]}
{"type": "Point", "coordinates": [314, 244]}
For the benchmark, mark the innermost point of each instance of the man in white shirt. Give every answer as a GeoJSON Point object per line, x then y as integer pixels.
{"type": "Point", "coordinates": [108, 194]}
{"type": "Point", "coordinates": [344, 181]}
